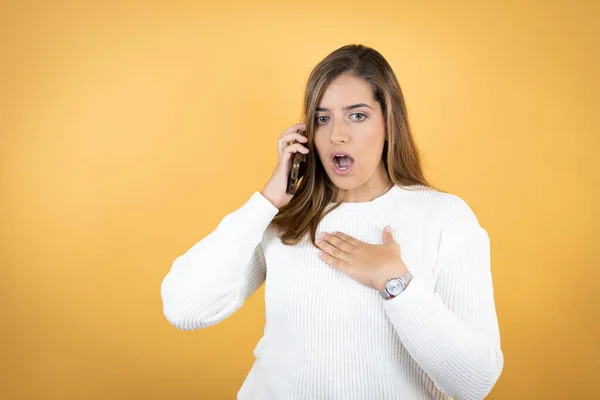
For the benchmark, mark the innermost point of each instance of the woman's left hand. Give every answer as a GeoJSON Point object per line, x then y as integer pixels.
{"type": "Point", "coordinates": [369, 264]}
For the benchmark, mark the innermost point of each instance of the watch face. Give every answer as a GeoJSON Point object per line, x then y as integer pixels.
{"type": "Point", "coordinates": [394, 287]}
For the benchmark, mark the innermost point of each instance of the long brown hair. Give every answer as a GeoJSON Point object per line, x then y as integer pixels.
{"type": "Point", "coordinates": [400, 154]}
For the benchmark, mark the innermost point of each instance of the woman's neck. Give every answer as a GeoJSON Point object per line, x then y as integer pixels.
{"type": "Point", "coordinates": [366, 192]}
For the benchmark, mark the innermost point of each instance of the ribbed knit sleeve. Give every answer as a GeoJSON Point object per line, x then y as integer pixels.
{"type": "Point", "coordinates": [448, 322]}
{"type": "Point", "coordinates": [212, 279]}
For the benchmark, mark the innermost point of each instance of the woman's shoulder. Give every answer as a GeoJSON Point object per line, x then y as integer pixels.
{"type": "Point", "coordinates": [434, 196]}
{"type": "Point", "coordinates": [455, 222]}
{"type": "Point", "coordinates": [447, 208]}
{"type": "Point", "coordinates": [455, 210]}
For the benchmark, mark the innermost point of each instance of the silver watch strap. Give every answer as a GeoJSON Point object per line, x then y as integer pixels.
{"type": "Point", "coordinates": [406, 278]}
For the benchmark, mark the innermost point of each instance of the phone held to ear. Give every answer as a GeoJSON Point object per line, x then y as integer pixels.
{"type": "Point", "coordinates": [297, 159]}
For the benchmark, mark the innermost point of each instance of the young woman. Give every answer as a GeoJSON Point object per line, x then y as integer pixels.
{"type": "Point", "coordinates": [353, 310]}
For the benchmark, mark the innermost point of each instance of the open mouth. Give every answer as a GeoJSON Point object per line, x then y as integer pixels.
{"type": "Point", "coordinates": [343, 162]}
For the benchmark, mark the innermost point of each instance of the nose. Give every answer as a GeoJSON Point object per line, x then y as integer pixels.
{"type": "Point", "coordinates": [338, 133]}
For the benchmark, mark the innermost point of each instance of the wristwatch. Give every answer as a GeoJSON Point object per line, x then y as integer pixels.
{"type": "Point", "coordinates": [395, 286]}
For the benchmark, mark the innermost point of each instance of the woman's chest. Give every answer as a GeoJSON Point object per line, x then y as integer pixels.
{"type": "Point", "coordinates": [299, 283]}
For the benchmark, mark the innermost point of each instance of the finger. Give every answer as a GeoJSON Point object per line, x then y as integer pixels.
{"type": "Point", "coordinates": [294, 128]}
{"type": "Point", "coordinates": [331, 249]}
{"type": "Point", "coordinates": [349, 239]}
{"type": "Point", "coordinates": [295, 148]}
{"type": "Point", "coordinates": [338, 242]}
{"type": "Point", "coordinates": [333, 261]}
{"type": "Point", "coordinates": [294, 136]}
{"type": "Point", "coordinates": [291, 139]}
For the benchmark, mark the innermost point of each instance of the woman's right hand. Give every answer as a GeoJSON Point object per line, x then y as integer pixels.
{"type": "Point", "coordinates": [276, 189]}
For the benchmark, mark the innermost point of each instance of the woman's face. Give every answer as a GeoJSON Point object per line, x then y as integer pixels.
{"type": "Point", "coordinates": [349, 120]}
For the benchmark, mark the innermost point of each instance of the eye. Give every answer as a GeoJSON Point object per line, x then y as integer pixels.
{"type": "Point", "coordinates": [319, 120]}
{"type": "Point", "coordinates": [360, 119]}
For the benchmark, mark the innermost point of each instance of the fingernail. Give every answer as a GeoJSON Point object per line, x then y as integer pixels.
{"type": "Point", "coordinates": [388, 228]}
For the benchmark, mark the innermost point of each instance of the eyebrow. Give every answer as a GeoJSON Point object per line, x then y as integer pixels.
{"type": "Point", "coordinates": [347, 108]}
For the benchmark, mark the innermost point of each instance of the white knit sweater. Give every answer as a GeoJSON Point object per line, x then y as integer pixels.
{"type": "Point", "coordinates": [329, 337]}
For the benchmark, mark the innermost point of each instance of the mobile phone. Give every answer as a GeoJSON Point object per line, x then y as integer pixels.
{"type": "Point", "coordinates": [297, 160]}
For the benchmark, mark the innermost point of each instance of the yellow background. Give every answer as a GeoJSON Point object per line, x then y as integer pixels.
{"type": "Point", "coordinates": [129, 129]}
